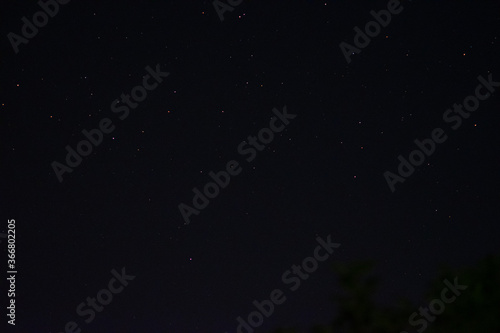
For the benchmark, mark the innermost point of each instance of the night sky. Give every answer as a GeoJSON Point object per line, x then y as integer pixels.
{"type": "Point", "coordinates": [303, 135]}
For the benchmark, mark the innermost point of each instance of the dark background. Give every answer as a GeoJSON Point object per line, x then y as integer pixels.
{"type": "Point", "coordinates": [119, 208]}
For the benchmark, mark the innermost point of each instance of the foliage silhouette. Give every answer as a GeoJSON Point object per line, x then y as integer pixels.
{"type": "Point", "coordinates": [477, 309]}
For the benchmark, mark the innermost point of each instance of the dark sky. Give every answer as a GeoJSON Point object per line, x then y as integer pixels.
{"type": "Point", "coordinates": [322, 175]}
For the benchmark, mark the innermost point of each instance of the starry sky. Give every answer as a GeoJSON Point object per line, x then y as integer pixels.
{"type": "Point", "coordinates": [212, 84]}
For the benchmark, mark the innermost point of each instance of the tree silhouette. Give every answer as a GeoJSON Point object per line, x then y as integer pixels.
{"type": "Point", "coordinates": [476, 309]}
